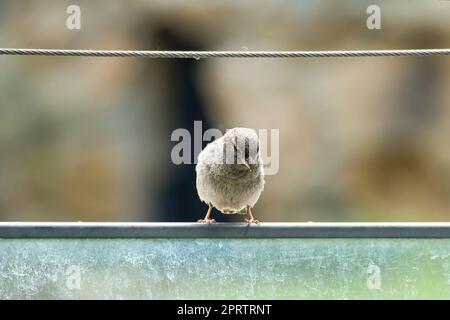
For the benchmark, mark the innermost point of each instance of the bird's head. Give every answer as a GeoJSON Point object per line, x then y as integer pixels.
{"type": "Point", "coordinates": [242, 148]}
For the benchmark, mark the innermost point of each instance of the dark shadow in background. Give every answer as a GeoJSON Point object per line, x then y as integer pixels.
{"type": "Point", "coordinates": [178, 200]}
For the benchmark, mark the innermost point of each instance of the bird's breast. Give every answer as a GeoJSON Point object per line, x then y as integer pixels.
{"type": "Point", "coordinates": [230, 192]}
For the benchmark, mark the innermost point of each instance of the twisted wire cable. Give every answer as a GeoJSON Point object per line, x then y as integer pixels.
{"type": "Point", "coordinates": [224, 54]}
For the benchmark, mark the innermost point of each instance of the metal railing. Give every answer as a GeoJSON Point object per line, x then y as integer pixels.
{"type": "Point", "coordinates": [222, 230]}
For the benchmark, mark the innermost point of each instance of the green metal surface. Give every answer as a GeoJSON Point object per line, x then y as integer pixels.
{"type": "Point", "coordinates": [224, 268]}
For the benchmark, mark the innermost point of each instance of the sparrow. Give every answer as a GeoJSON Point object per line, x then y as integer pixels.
{"type": "Point", "coordinates": [230, 174]}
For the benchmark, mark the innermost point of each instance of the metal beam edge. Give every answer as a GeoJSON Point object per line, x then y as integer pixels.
{"type": "Point", "coordinates": [89, 230]}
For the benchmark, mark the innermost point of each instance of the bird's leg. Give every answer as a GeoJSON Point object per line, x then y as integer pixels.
{"type": "Point", "coordinates": [207, 218]}
{"type": "Point", "coordinates": [250, 219]}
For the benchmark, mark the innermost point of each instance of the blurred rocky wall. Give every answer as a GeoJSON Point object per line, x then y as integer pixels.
{"type": "Point", "coordinates": [363, 139]}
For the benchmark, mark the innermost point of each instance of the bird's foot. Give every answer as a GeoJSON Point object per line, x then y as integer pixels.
{"type": "Point", "coordinates": [251, 221]}
{"type": "Point", "coordinates": [206, 221]}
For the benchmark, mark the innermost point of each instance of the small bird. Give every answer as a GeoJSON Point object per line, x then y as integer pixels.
{"type": "Point", "coordinates": [230, 174]}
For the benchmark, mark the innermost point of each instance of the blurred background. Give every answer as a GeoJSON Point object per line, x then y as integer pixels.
{"type": "Point", "coordinates": [361, 139]}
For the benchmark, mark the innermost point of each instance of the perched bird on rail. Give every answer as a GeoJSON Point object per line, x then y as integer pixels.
{"type": "Point", "coordinates": [230, 174]}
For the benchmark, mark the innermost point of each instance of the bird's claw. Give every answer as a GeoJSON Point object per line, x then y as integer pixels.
{"type": "Point", "coordinates": [206, 221]}
{"type": "Point", "coordinates": [251, 221]}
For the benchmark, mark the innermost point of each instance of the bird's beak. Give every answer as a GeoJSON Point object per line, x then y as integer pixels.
{"type": "Point", "coordinates": [244, 162]}
{"type": "Point", "coordinates": [247, 165]}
